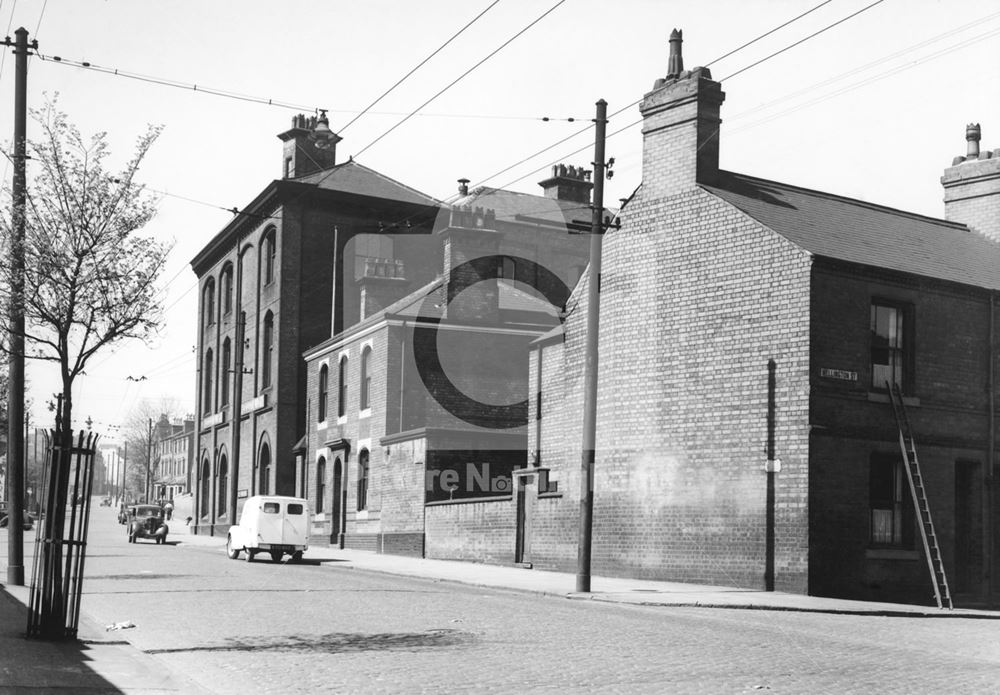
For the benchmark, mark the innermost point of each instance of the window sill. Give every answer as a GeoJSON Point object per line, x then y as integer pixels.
{"type": "Point", "coordinates": [891, 554]}
{"type": "Point", "coordinates": [883, 397]}
{"type": "Point", "coordinates": [342, 420]}
{"type": "Point", "coordinates": [367, 412]}
{"type": "Point", "coordinates": [322, 425]}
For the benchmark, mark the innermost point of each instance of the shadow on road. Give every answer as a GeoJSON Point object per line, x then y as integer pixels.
{"type": "Point", "coordinates": [338, 643]}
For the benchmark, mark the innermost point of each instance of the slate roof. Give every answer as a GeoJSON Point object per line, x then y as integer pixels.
{"type": "Point", "coordinates": [859, 232]}
{"type": "Point", "coordinates": [352, 177]}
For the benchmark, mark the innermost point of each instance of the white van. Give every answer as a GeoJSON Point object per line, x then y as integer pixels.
{"type": "Point", "coordinates": [270, 524]}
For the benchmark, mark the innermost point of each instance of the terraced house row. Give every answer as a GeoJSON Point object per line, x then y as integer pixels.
{"type": "Point", "coordinates": [414, 368]}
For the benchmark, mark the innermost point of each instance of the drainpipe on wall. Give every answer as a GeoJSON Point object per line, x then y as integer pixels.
{"type": "Point", "coordinates": [991, 453]}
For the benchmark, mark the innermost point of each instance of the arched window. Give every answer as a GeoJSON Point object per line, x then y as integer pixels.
{"type": "Point", "coordinates": [320, 484]}
{"type": "Point", "coordinates": [363, 480]}
{"type": "Point", "coordinates": [206, 484]}
{"type": "Point", "coordinates": [342, 388]}
{"type": "Point", "coordinates": [264, 461]}
{"type": "Point", "coordinates": [267, 348]}
{"type": "Point", "coordinates": [226, 281]}
{"type": "Point", "coordinates": [366, 378]}
{"type": "Point", "coordinates": [206, 379]}
{"type": "Point", "coordinates": [208, 302]}
{"type": "Point", "coordinates": [226, 359]}
{"type": "Point", "coordinates": [223, 484]}
{"type": "Point", "coordinates": [270, 251]}
{"type": "Point", "coordinates": [324, 377]}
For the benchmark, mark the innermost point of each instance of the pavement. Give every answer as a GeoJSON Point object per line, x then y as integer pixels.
{"type": "Point", "coordinates": [101, 662]}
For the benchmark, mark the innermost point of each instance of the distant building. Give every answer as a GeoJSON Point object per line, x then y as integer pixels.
{"type": "Point", "coordinates": [174, 459]}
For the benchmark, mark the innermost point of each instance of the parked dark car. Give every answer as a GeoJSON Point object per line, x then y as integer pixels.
{"type": "Point", "coordinates": [147, 521]}
{"type": "Point", "coordinates": [27, 524]}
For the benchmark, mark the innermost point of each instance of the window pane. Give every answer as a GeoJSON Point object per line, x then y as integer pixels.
{"type": "Point", "coordinates": [271, 507]}
{"type": "Point", "coordinates": [882, 526]}
{"type": "Point", "coordinates": [295, 509]}
{"type": "Point", "coordinates": [887, 357]}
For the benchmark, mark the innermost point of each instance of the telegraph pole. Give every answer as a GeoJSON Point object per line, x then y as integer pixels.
{"type": "Point", "coordinates": [15, 396]}
{"type": "Point", "coordinates": [590, 364]}
{"type": "Point", "coordinates": [149, 457]}
{"type": "Point", "coordinates": [124, 472]}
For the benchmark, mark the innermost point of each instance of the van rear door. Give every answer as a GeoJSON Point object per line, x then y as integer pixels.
{"type": "Point", "coordinates": [270, 522]}
{"type": "Point", "coordinates": [295, 530]}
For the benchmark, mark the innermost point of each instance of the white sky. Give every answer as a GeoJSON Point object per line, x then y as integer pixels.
{"type": "Point", "coordinates": [927, 69]}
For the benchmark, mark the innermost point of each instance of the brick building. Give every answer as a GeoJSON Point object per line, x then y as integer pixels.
{"type": "Point", "coordinates": [174, 459]}
{"type": "Point", "coordinates": [266, 283]}
{"type": "Point", "coordinates": [748, 329]}
{"type": "Point", "coordinates": [419, 405]}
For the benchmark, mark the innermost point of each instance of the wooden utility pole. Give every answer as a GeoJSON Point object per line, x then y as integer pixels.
{"type": "Point", "coordinates": [124, 492]}
{"type": "Point", "coordinates": [149, 457]}
{"type": "Point", "coordinates": [590, 364]}
{"type": "Point", "coordinates": [15, 396]}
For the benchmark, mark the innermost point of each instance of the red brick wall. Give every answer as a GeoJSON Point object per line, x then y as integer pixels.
{"type": "Point", "coordinates": [947, 407]}
{"type": "Point", "coordinates": [482, 531]}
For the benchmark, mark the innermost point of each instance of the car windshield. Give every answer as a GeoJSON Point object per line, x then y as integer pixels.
{"type": "Point", "coordinates": [148, 511]}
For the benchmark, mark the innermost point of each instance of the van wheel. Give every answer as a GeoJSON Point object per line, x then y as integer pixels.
{"type": "Point", "coordinates": [250, 554]}
{"type": "Point", "coordinates": [231, 552]}
{"type": "Point", "coordinates": [297, 556]}
{"type": "Point", "coordinates": [276, 556]}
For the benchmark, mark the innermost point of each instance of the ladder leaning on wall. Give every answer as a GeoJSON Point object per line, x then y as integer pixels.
{"type": "Point", "coordinates": [908, 446]}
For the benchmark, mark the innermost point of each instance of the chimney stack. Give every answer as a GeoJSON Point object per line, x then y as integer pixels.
{"type": "Point", "coordinates": [301, 155]}
{"type": "Point", "coordinates": [463, 186]}
{"type": "Point", "coordinates": [972, 186]}
{"type": "Point", "coordinates": [680, 129]}
{"type": "Point", "coordinates": [568, 183]}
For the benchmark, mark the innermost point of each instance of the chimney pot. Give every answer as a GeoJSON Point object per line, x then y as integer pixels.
{"type": "Point", "coordinates": [463, 186]}
{"type": "Point", "coordinates": [973, 133]}
{"type": "Point", "coordinates": [675, 64]}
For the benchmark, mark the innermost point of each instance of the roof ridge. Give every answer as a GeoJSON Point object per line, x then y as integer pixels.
{"type": "Point", "coordinates": [836, 196]}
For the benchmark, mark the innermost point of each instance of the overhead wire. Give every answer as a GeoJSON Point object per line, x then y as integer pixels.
{"type": "Point", "coordinates": [419, 65]}
{"type": "Point", "coordinates": [40, 15]}
{"type": "Point", "coordinates": [584, 130]}
{"type": "Point", "coordinates": [801, 41]}
{"type": "Point", "coordinates": [461, 77]}
{"type": "Point", "coordinates": [637, 101]}
{"type": "Point", "coordinates": [767, 33]}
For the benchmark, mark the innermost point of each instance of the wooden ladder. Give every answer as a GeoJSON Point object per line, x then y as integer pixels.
{"type": "Point", "coordinates": [909, 448]}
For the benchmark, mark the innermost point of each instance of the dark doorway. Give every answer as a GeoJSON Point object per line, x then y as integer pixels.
{"type": "Point", "coordinates": [264, 459]}
{"type": "Point", "coordinates": [335, 526]}
{"type": "Point", "coordinates": [968, 527]}
{"type": "Point", "coordinates": [525, 493]}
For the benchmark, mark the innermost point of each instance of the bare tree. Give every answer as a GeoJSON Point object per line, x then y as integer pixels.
{"type": "Point", "coordinates": [89, 276]}
{"type": "Point", "coordinates": [143, 428]}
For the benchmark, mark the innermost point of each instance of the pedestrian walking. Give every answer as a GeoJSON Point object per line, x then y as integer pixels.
{"type": "Point", "coordinates": [169, 509]}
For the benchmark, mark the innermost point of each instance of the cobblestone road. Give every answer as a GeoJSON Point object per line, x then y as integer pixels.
{"type": "Point", "coordinates": [281, 628]}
